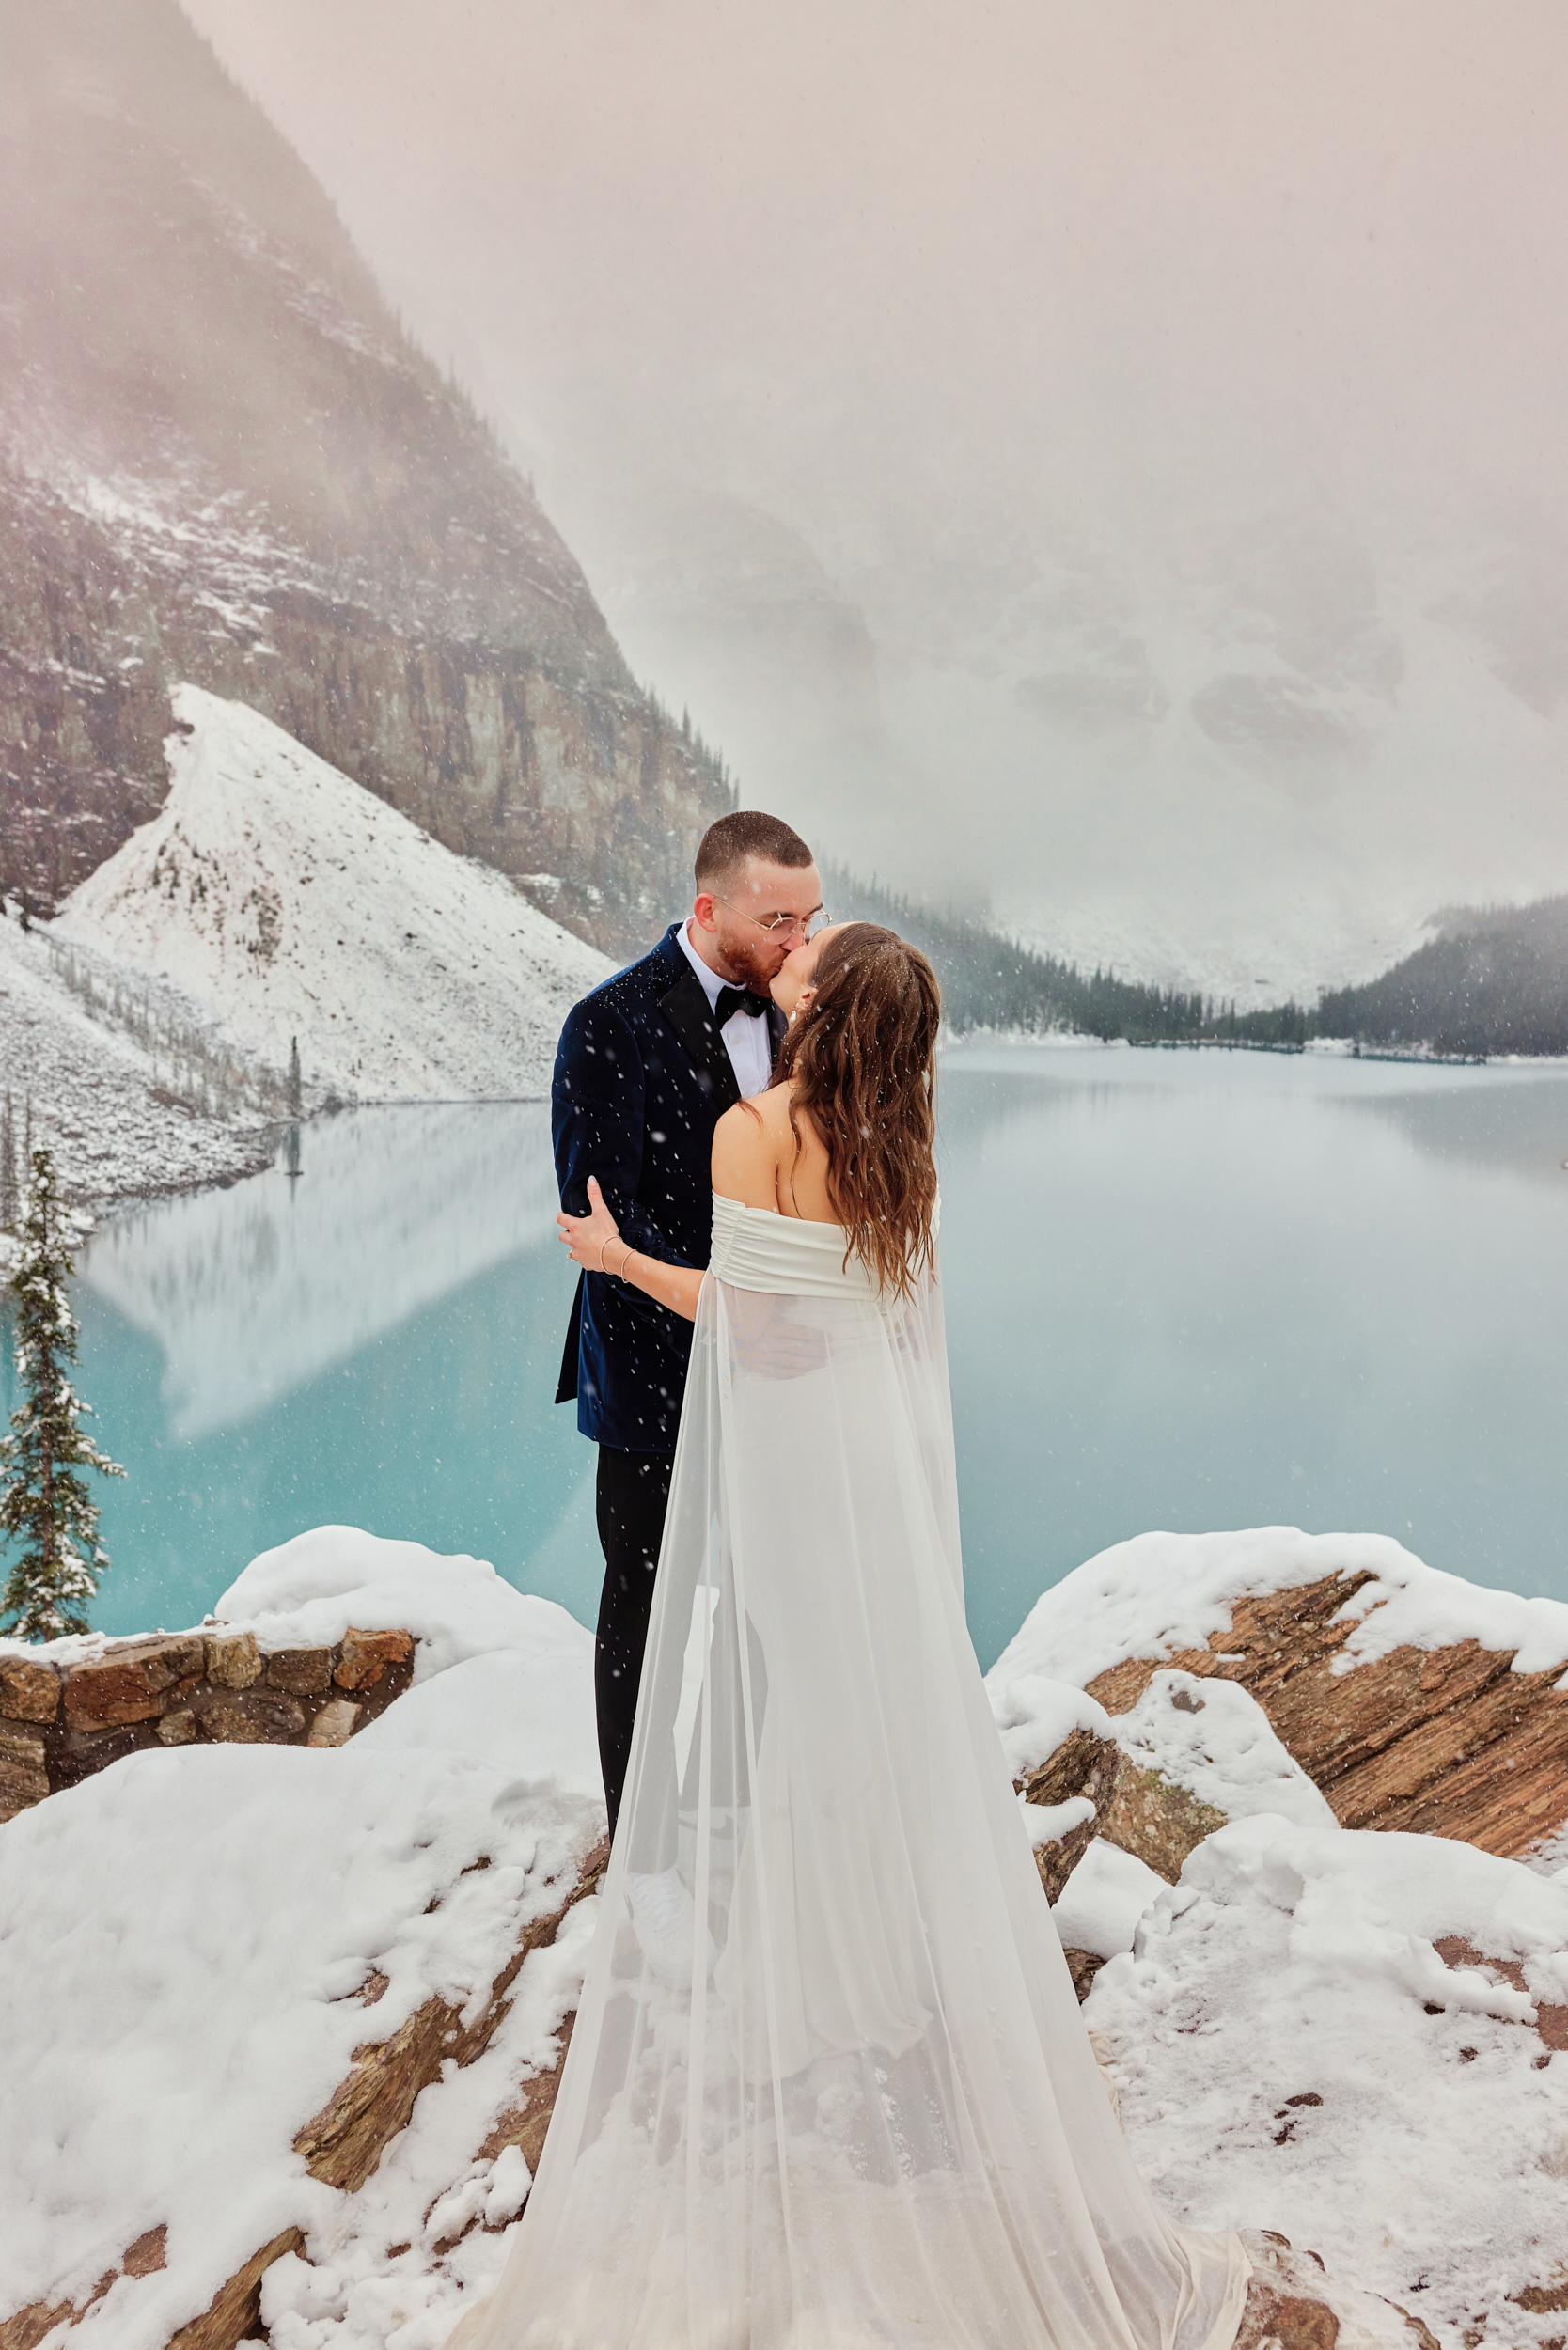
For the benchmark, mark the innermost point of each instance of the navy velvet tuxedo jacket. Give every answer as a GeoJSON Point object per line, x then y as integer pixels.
{"type": "Point", "coordinates": [641, 1080]}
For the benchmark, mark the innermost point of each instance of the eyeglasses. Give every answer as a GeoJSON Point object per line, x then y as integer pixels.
{"type": "Point", "coordinates": [783, 924]}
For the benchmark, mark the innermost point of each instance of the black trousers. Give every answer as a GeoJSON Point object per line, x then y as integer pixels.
{"type": "Point", "coordinates": [632, 1494]}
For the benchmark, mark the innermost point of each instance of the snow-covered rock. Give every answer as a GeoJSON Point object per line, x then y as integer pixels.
{"type": "Point", "coordinates": [194, 1938]}
{"type": "Point", "coordinates": [1106, 1898]}
{"type": "Point", "coordinates": [200, 1940]}
{"type": "Point", "coordinates": [1037, 1714]}
{"type": "Point", "coordinates": [1413, 1700]}
{"type": "Point", "coordinates": [1141, 1788]}
{"type": "Point", "coordinates": [295, 903]}
{"type": "Point", "coordinates": [1159, 1594]}
{"type": "Point", "coordinates": [1356, 2039]}
{"type": "Point", "coordinates": [1211, 1738]}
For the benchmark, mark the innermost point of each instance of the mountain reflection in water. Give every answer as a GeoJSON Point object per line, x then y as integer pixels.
{"type": "Point", "coordinates": [252, 1292]}
{"type": "Point", "coordinates": [1184, 1289]}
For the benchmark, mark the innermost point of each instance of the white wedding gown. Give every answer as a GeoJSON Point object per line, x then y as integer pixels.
{"type": "Point", "coordinates": [869, 2117]}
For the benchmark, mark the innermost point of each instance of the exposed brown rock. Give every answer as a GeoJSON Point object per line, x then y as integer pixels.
{"type": "Point", "coordinates": [28, 2327]}
{"type": "Point", "coordinates": [1442, 1742]}
{"type": "Point", "coordinates": [1158, 1822]}
{"type": "Point", "coordinates": [1083, 1966]}
{"type": "Point", "coordinates": [177, 1729]}
{"type": "Point", "coordinates": [1083, 1765]}
{"type": "Point", "coordinates": [1056, 1860]}
{"type": "Point", "coordinates": [28, 1692]}
{"type": "Point", "coordinates": [133, 1683]}
{"type": "Point", "coordinates": [24, 1772]}
{"type": "Point", "coordinates": [367, 1656]}
{"type": "Point", "coordinates": [343, 2143]}
{"type": "Point", "coordinates": [1287, 2319]}
{"type": "Point", "coordinates": [1542, 2301]}
{"type": "Point", "coordinates": [82, 1753]}
{"type": "Point", "coordinates": [1291, 2301]}
{"type": "Point", "coordinates": [1079, 1766]}
{"type": "Point", "coordinates": [1551, 2023]}
{"type": "Point", "coordinates": [233, 1659]}
{"type": "Point", "coordinates": [334, 1725]}
{"type": "Point", "coordinates": [305, 1672]}
{"type": "Point", "coordinates": [528, 2123]}
{"type": "Point", "coordinates": [1134, 1807]}
{"type": "Point", "coordinates": [251, 1717]}
{"type": "Point", "coordinates": [148, 2254]}
{"type": "Point", "coordinates": [235, 2308]}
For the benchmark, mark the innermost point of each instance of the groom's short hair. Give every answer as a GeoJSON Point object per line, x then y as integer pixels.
{"type": "Point", "coordinates": [749, 832]}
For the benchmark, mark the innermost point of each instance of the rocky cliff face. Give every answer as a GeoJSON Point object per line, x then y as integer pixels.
{"type": "Point", "coordinates": [224, 463]}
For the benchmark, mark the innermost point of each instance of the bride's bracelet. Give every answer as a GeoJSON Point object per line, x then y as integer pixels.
{"type": "Point", "coordinates": [620, 1273]}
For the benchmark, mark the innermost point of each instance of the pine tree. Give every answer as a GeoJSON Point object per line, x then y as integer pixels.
{"type": "Point", "coordinates": [295, 1098]}
{"type": "Point", "coordinates": [10, 1205]}
{"type": "Point", "coordinates": [43, 1502]}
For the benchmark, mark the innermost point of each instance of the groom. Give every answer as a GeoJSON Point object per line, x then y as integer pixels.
{"type": "Point", "coordinates": [646, 1067]}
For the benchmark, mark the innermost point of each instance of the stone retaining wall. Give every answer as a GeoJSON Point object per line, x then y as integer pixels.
{"type": "Point", "coordinates": [60, 1723]}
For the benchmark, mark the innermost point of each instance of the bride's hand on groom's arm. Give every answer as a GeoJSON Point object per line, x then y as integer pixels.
{"type": "Point", "coordinates": [594, 1241]}
{"type": "Point", "coordinates": [587, 1237]}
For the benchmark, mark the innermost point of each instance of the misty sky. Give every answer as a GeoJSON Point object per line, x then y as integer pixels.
{"type": "Point", "coordinates": [953, 402]}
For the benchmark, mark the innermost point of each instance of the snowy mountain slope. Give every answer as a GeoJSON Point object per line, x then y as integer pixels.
{"type": "Point", "coordinates": [118, 1110]}
{"type": "Point", "coordinates": [295, 903]}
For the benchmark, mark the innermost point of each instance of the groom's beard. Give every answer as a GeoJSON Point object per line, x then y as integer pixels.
{"type": "Point", "coordinates": [753, 964]}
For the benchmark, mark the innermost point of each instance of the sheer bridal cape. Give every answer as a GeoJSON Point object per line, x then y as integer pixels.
{"type": "Point", "coordinates": [848, 2103]}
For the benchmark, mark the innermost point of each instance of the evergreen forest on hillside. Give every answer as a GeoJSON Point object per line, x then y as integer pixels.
{"type": "Point", "coordinates": [1495, 979]}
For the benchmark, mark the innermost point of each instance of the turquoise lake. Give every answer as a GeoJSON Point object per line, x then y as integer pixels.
{"type": "Point", "coordinates": [1185, 1290]}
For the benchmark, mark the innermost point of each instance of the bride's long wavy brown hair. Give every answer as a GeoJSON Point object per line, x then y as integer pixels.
{"type": "Point", "coordinates": [861, 1060]}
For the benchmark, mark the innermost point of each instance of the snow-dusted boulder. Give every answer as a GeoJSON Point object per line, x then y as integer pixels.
{"type": "Point", "coordinates": [1197, 1753]}
{"type": "Point", "coordinates": [1149, 1784]}
{"type": "Point", "coordinates": [1213, 1741]}
{"type": "Point", "coordinates": [1411, 1699]}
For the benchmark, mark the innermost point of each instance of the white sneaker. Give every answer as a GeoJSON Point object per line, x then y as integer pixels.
{"type": "Point", "coordinates": [664, 1919]}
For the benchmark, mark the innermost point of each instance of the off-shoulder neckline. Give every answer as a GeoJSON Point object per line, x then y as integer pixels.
{"type": "Point", "coordinates": [808, 1223]}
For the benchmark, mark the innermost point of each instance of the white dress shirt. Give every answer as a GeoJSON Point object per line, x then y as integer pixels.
{"type": "Point", "coordinates": [746, 1040]}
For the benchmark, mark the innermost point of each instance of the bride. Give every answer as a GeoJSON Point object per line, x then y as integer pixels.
{"type": "Point", "coordinates": [828, 2088]}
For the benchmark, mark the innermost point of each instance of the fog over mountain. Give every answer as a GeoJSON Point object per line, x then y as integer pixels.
{"type": "Point", "coordinates": [1104, 461]}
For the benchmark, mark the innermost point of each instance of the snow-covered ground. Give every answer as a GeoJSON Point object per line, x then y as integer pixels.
{"type": "Point", "coordinates": [187, 1934]}
{"type": "Point", "coordinates": [121, 1115]}
{"type": "Point", "coordinates": [1355, 2039]}
{"type": "Point", "coordinates": [296, 904]}
{"type": "Point", "coordinates": [1291, 2048]}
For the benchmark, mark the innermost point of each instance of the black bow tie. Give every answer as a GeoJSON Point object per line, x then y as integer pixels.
{"type": "Point", "coordinates": [733, 999]}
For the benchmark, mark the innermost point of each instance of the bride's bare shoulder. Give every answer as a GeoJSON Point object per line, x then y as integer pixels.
{"type": "Point", "coordinates": [745, 1148]}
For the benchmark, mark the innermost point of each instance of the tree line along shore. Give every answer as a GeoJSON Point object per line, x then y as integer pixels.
{"type": "Point", "coordinates": [1492, 980]}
